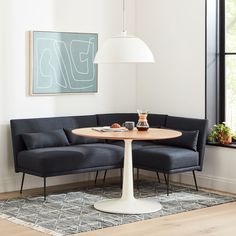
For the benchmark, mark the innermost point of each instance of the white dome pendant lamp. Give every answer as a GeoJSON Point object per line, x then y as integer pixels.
{"type": "Point", "coordinates": [124, 49]}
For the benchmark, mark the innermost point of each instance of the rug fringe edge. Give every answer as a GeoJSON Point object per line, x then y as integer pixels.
{"type": "Point", "coordinates": [29, 225]}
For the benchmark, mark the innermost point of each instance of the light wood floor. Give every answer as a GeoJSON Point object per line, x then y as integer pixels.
{"type": "Point", "coordinates": [219, 220]}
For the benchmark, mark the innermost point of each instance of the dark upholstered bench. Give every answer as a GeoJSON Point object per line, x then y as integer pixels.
{"type": "Point", "coordinates": [46, 147]}
{"type": "Point", "coordinates": [185, 153]}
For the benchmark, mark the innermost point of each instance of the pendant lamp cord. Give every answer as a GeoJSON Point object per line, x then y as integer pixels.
{"type": "Point", "coordinates": [124, 30]}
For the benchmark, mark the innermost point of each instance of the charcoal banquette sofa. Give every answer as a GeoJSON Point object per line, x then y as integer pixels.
{"type": "Point", "coordinates": [46, 147]}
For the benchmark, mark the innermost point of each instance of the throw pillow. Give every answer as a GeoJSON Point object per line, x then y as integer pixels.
{"type": "Point", "coordinates": [188, 139]}
{"type": "Point", "coordinates": [53, 138]}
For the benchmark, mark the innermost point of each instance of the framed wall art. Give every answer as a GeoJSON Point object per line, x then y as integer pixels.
{"type": "Point", "coordinates": [62, 62]}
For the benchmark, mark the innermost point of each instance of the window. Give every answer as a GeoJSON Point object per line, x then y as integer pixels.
{"type": "Point", "coordinates": [228, 57]}
{"type": "Point", "coordinates": [221, 62]}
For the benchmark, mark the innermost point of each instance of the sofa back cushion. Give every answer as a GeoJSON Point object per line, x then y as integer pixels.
{"type": "Point", "coordinates": [55, 138]}
{"type": "Point", "coordinates": [120, 118]}
{"type": "Point", "coordinates": [188, 140]}
{"type": "Point", "coordinates": [190, 124]}
{"type": "Point", "coordinates": [154, 120]}
{"type": "Point", "coordinates": [76, 139]}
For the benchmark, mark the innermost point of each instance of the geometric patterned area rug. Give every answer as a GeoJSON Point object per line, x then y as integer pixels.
{"type": "Point", "coordinates": [73, 212]}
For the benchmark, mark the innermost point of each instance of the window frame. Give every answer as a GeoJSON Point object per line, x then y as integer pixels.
{"type": "Point", "coordinates": [215, 64]}
{"type": "Point", "coordinates": [222, 54]}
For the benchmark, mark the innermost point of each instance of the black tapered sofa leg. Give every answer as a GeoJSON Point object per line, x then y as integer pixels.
{"type": "Point", "coordinates": [22, 183]}
{"type": "Point", "coordinates": [137, 178]}
{"type": "Point", "coordinates": [158, 177]}
{"type": "Point", "coordinates": [167, 184]}
{"type": "Point", "coordinates": [104, 176]}
{"type": "Point", "coordinates": [44, 188]}
{"type": "Point", "coordinates": [121, 177]}
{"type": "Point", "coordinates": [96, 177]}
{"type": "Point", "coordinates": [195, 180]}
{"type": "Point", "coordinates": [165, 177]}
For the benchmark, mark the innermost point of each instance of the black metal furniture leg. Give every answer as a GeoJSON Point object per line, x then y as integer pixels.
{"type": "Point", "coordinates": [137, 178]}
{"type": "Point", "coordinates": [195, 180]}
{"type": "Point", "coordinates": [22, 183]}
{"type": "Point", "coordinates": [44, 188]}
{"type": "Point", "coordinates": [168, 184]}
{"type": "Point", "coordinates": [158, 177]}
{"type": "Point", "coordinates": [104, 176]}
{"type": "Point", "coordinates": [121, 177]}
{"type": "Point", "coordinates": [96, 177]}
{"type": "Point", "coordinates": [165, 177]}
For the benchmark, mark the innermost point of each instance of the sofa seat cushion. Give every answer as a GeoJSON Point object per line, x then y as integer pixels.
{"type": "Point", "coordinates": [165, 158]}
{"type": "Point", "coordinates": [135, 144]}
{"type": "Point", "coordinates": [53, 160]}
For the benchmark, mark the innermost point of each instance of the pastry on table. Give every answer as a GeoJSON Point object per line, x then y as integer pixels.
{"type": "Point", "coordinates": [115, 125]}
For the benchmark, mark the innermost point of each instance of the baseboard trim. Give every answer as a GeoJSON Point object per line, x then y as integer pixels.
{"type": "Point", "coordinates": [58, 188]}
{"type": "Point", "coordinates": [12, 183]}
{"type": "Point", "coordinates": [204, 181]}
{"type": "Point", "coordinates": [210, 182]}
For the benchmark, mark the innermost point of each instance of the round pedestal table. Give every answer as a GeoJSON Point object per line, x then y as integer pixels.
{"type": "Point", "coordinates": [128, 204]}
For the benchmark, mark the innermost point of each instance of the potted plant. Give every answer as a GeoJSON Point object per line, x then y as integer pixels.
{"type": "Point", "coordinates": [220, 133]}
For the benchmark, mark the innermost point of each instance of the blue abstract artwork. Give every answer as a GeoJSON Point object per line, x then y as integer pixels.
{"type": "Point", "coordinates": [63, 62]}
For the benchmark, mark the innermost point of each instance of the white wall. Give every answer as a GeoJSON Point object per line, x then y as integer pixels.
{"type": "Point", "coordinates": [18, 17]}
{"type": "Point", "coordinates": [174, 30]}
{"type": "Point", "coordinates": [175, 84]}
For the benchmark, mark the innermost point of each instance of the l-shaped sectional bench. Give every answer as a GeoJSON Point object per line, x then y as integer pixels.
{"type": "Point", "coordinates": [46, 147]}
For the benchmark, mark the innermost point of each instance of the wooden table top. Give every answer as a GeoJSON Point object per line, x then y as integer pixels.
{"type": "Point", "coordinates": [150, 134]}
